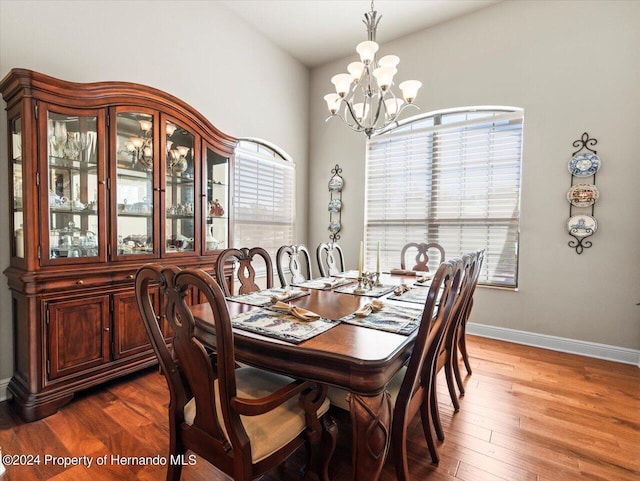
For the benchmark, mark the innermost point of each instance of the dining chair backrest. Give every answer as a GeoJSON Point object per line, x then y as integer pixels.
{"type": "Point", "coordinates": [246, 273]}
{"type": "Point", "coordinates": [207, 410]}
{"type": "Point", "coordinates": [415, 389]}
{"type": "Point", "coordinates": [330, 259]}
{"type": "Point", "coordinates": [422, 256]}
{"type": "Point", "coordinates": [299, 263]}
{"type": "Point", "coordinates": [447, 348]}
{"type": "Point", "coordinates": [461, 345]}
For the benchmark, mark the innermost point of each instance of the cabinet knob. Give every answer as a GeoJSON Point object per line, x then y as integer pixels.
{"type": "Point", "coordinates": [130, 276]}
{"type": "Point", "coordinates": [80, 282]}
{"type": "Point", "coordinates": [102, 182]}
{"type": "Point", "coordinates": [106, 329]}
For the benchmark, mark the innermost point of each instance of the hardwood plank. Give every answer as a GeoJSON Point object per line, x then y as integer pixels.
{"type": "Point", "coordinates": [528, 415]}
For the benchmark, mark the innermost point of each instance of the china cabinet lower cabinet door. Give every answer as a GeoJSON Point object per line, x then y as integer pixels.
{"type": "Point", "coordinates": [130, 336]}
{"type": "Point", "coordinates": [78, 335]}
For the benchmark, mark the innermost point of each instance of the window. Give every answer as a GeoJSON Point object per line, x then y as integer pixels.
{"type": "Point", "coordinates": [451, 177]}
{"type": "Point", "coordinates": [263, 197]}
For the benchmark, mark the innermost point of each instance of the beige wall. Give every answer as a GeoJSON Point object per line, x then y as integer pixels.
{"type": "Point", "coordinates": [198, 51]}
{"type": "Point", "coordinates": [574, 67]}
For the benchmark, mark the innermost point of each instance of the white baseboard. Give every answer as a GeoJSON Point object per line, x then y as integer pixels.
{"type": "Point", "coordinates": [3, 388]}
{"type": "Point", "coordinates": [573, 346]}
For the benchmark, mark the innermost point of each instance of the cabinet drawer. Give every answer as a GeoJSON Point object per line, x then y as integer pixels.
{"type": "Point", "coordinates": [80, 282]}
{"type": "Point", "coordinates": [124, 277]}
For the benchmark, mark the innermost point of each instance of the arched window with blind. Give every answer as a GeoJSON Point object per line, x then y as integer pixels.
{"type": "Point", "coordinates": [263, 197]}
{"type": "Point", "coordinates": [451, 177]}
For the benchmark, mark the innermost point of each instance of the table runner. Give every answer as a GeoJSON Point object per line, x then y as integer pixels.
{"type": "Point", "coordinates": [393, 317]}
{"type": "Point", "coordinates": [374, 292]}
{"type": "Point", "coordinates": [280, 326]}
{"type": "Point", "coordinates": [263, 297]}
{"type": "Point", "coordinates": [319, 283]}
{"type": "Point", "coordinates": [352, 274]}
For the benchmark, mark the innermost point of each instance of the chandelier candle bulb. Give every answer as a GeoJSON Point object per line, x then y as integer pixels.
{"type": "Point", "coordinates": [170, 129]}
{"type": "Point", "coordinates": [145, 125]}
{"type": "Point", "coordinates": [367, 51]}
{"type": "Point", "coordinates": [333, 102]}
{"type": "Point", "coordinates": [410, 89]}
{"type": "Point", "coordinates": [389, 61]}
{"type": "Point", "coordinates": [342, 82]}
{"type": "Point", "coordinates": [355, 69]}
{"type": "Point", "coordinates": [384, 76]}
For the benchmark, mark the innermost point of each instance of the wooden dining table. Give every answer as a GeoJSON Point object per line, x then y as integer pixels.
{"type": "Point", "coordinates": [358, 359]}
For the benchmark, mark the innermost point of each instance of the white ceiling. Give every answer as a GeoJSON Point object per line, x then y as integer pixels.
{"type": "Point", "coordinates": [318, 31]}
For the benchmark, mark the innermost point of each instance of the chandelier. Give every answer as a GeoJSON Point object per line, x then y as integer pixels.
{"type": "Point", "coordinates": [364, 99]}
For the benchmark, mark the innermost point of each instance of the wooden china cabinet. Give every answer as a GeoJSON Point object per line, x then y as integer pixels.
{"type": "Point", "coordinates": [104, 177]}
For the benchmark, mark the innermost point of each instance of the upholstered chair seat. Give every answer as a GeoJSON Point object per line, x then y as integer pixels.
{"type": "Point", "coordinates": [270, 431]}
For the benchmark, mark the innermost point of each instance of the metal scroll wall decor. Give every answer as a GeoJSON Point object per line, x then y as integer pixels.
{"type": "Point", "coordinates": [336, 183]}
{"type": "Point", "coordinates": [582, 195]}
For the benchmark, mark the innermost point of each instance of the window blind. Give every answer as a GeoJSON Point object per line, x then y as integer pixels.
{"type": "Point", "coordinates": [454, 181]}
{"type": "Point", "coordinates": [263, 198]}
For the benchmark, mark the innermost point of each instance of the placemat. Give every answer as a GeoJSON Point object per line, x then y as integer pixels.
{"type": "Point", "coordinates": [280, 325]}
{"type": "Point", "coordinates": [319, 283]}
{"type": "Point", "coordinates": [374, 292]}
{"type": "Point", "coordinates": [263, 297]}
{"type": "Point", "coordinates": [396, 318]}
{"type": "Point", "coordinates": [416, 295]}
{"type": "Point", "coordinates": [353, 274]}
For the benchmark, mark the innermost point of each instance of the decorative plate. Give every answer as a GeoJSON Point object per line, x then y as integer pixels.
{"type": "Point", "coordinates": [582, 225]}
{"type": "Point", "coordinates": [583, 195]}
{"type": "Point", "coordinates": [335, 227]}
{"type": "Point", "coordinates": [584, 164]}
{"type": "Point", "coordinates": [335, 205]}
{"type": "Point", "coordinates": [336, 183]}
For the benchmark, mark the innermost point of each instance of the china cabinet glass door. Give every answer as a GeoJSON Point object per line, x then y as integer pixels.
{"type": "Point", "coordinates": [179, 189]}
{"type": "Point", "coordinates": [18, 199]}
{"type": "Point", "coordinates": [217, 200]}
{"type": "Point", "coordinates": [73, 197]}
{"type": "Point", "coordinates": [135, 152]}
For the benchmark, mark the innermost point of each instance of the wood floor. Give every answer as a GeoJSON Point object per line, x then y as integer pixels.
{"type": "Point", "coordinates": [529, 414]}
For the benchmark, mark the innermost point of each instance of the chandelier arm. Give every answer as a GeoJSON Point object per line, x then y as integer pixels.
{"type": "Point", "coordinates": [377, 116]}
{"type": "Point", "coordinates": [354, 117]}
{"type": "Point", "coordinates": [351, 126]}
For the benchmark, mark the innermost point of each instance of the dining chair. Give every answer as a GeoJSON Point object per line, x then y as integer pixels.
{"type": "Point", "coordinates": [244, 420]}
{"type": "Point", "coordinates": [410, 389]}
{"type": "Point", "coordinates": [461, 344]}
{"type": "Point", "coordinates": [422, 257]}
{"type": "Point", "coordinates": [246, 270]}
{"type": "Point", "coordinates": [299, 263]}
{"type": "Point", "coordinates": [328, 256]}
{"type": "Point", "coordinates": [447, 352]}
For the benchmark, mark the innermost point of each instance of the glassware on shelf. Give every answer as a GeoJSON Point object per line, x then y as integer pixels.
{"type": "Point", "coordinates": [180, 221]}
{"type": "Point", "coordinates": [217, 191]}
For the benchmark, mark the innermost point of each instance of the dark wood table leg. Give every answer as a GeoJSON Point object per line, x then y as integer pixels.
{"type": "Point", "coordinates": [371, 421]}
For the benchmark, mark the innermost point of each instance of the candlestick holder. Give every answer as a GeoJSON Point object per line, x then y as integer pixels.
{"type": "Point", "coordinates": [377, 282]}
{"type": "Point", "coordinates": [359, 289]}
